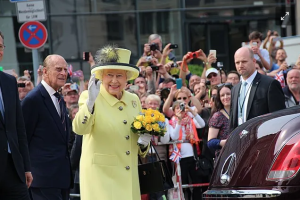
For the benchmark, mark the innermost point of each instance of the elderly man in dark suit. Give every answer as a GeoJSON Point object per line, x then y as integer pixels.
{"type": "Point", "coordinates": [15, 163]}
{"type": "Point", "coordinates": [256, 94]}
{"type": "Point", "coordinates": [48, 132]}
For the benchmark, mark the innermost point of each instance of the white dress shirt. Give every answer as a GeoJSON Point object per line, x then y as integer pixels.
{"type": "Point", "coordinates": [248, 90]}
{"type": "Point", "coordinates": [51, 92]}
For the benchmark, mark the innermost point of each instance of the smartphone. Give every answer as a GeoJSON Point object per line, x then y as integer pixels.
{"type": "Point", "coordinates": [134, 87]}
{"type": "Point", "coordinates": [277, 39]}
{"type": "Point", "coordinates": [254, 44]}
{"type": "Point", "coordinates": [178, 83]}
{"type": "Point", "coordinates": [21, 85]}
{"type": "Point", "coordinates": [173, 46]}
{"type": "Point", "coordinates": [155, 68]}
{"type": "Point", "coordinates": [86, 56]}
{"type": "Point", "coordinates": [214, 52]}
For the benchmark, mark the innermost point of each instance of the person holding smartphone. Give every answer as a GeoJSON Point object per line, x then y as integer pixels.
{"type": "Point", "coordinates": [262, 55]}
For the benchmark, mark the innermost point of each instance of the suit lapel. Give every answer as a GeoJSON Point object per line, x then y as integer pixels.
{"type": "Point", "coordinates": [255, 83]}
{"type": "Point", "coordinates": [52, 110]}
{"type": "Point", "coordinates": [6, 96]}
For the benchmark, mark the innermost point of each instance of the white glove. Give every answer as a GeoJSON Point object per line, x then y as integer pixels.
{"type": "Point", "coordinates": [93, 90]}
{"type": "Point", "coordinates": [144, 139]}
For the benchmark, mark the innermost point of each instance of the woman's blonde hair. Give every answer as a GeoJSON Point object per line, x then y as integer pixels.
{"type": "Point", "coordinates": [182, 90]}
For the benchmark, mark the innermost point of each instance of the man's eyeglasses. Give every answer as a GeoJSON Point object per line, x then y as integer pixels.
{"type": "Point", "coordinates": [2, 47]}
{"type": "Point", "coordinates": [183, 98]}
{"type": "Point", "coordinates": [224, 84]}
{"type": "Point", "coordinates": [212, 75]}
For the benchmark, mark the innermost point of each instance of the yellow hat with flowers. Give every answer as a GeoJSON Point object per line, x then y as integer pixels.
{"type": "Point", "coordinates": [110, 57]}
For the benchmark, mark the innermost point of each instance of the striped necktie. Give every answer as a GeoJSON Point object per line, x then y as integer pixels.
{"type": "Point", "coordinates": [62, 109]}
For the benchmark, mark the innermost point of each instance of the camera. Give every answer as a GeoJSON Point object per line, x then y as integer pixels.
{"type": "Point", "coordinates": [21, 85]}
{"type": "Point", "coordinates": [220, 64]}
{"type": "Point", "coordinates": [155, 68]}
{"type": "Point", "coordinates": [207, 83]}
{"type": "Point", "coordinates": [193, 55]}
{"type": "Point", "coordinates": [182, 106]}
{"type": "Point", "coordinates": [154, 47]}
{"type": "Point", "coordinates": [174, 64]}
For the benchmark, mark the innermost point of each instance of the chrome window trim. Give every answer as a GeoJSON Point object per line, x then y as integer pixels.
{"type": "Point", "coordinates": [247, 194]}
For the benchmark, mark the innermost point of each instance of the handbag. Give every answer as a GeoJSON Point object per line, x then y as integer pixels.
{"type": "Point", "coordinates": [204, 167]}
{"type": "Point", "coordinates": [154, 176]}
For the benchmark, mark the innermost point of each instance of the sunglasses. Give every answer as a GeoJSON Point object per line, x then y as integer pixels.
{"type": "Point", "coordinates": [224, 84]}
{"type": "Point", "coordinates": [212, 75]}
{"type": "Point", "coordinates": [183, 98]}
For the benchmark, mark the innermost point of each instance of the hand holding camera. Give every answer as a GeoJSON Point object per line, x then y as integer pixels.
{"type": "Point", "coordinates": [211, 58]}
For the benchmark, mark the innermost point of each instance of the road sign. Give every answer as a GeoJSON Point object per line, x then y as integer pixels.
{"type": "Point", "coordinates": [31, 11]}
{"type": "Point", "coordinates": [33, 35]}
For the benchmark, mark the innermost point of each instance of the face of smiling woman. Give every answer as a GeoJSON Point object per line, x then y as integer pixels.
{"type": "Point", "coordinates": [114, 81]}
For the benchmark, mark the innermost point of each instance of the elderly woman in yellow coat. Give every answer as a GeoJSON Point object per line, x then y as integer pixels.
{"type": "Point", "coordinates": [109, 161]}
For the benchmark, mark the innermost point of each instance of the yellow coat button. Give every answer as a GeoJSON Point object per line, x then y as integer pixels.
{"type": "Point", "coordinates": [120, 108]}
{"type": "Point", "coordinates": [125, 122]}
{"type": "Point", "coordinates": [127, 137]}
{"type": "Point", "coordinates": [127, 152]}
{"type": "Point", "coordinates": [127, 167]}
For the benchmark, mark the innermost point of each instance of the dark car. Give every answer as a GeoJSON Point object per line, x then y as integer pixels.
{"type": "Point", "coordinates": [261, 159]}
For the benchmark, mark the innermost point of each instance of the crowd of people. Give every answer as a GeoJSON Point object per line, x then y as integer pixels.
{"type": "Point", "coordinates": [63, 135]}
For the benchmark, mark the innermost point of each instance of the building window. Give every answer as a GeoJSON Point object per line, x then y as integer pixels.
{"type": "Point", "coordinates": [114, 24]}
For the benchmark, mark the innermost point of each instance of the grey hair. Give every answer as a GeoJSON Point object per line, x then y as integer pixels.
{"type": "Point", "coordinates": [154, 37]}
{"type": "Point", "coordinates": [153, 97]}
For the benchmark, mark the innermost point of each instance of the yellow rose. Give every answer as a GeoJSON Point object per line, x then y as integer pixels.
{"type": "Point", "coordinates": [156, 117]}
{"type": "Point", "coordinates": [140, 117]}
{"type": "Point", "coordinates": [137, 125]}
{"type": "Point", "coordinates": [143, 111]}
{"type": "Point", "coordinates": [156, 127]}
{"type": "Point", "coordinates": [144, 123]}
{"type": "Point", "coordinates": [161, 118]}
{"type": "Point", "coordinates": [148, 112]}
{"type": "Point", "coordinates": [148, 119]}
{"type": "Point", "coordinates": [148, 127]}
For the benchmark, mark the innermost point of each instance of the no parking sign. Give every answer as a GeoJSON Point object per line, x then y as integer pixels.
{"type": "Point", "coordinates": [33, 34]}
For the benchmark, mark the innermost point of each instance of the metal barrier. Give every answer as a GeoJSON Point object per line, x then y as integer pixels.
{"type": "Point", "coordinates": [178, 185]}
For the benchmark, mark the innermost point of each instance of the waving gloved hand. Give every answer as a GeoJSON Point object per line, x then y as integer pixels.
{"type": "Point", "coordinates": [144, 139]}
{"type": "Point", "coordinates": [93, 90]}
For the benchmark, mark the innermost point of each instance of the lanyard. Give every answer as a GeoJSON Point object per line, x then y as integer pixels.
{"type": "Point", "coordinates": [242, 106]}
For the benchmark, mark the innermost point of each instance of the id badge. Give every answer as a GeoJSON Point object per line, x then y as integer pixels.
{"type": "Point", "coordinates": [240, 120]}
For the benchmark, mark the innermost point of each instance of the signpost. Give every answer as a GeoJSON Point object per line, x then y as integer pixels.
{"type": "Point", "coordinates": [33, 35]}
{"type": "Point", "coordinates": [31, 11]}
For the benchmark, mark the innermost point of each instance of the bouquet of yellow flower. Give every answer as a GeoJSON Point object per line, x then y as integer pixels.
{"type": "Point", "coordinates": [149, 121]}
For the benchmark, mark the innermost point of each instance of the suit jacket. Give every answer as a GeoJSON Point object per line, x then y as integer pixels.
{"type": "Point", "coordinates": [12, 129]}
{"type": "Point", "coordinates": [265, 96]}
{"type": "Point", "coordinates": [47, 141]}
{"type": "Point", "coordinates": [75, 156]}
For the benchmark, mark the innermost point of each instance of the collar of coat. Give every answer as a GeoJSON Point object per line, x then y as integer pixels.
{"type": "Point", "coordinates": [111, 100]}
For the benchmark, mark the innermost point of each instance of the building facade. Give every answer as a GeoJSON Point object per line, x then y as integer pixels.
{"type": "Point", "coordinates": [75, 26]}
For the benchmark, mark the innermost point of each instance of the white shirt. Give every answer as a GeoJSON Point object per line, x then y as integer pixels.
{"type": "Point", "coordinates": [265, 54]}
{"type": "Point", "coordinates": [248, 90]}
{"type": "Point", "coordinates": [51, 92]}
{"type": "Point", "coordinates": [186, 148]}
